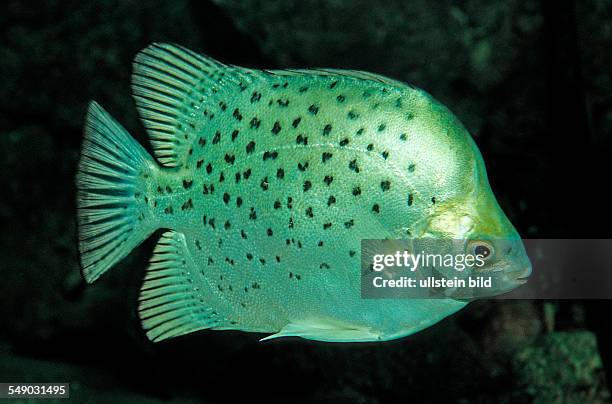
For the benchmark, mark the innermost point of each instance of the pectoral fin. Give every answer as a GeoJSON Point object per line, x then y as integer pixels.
{"type": "Point", "coordinates": [326, 330]}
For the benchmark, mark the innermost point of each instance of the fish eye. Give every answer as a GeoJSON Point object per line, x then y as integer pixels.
{"type": "Point", "coordinates": [483, 249]}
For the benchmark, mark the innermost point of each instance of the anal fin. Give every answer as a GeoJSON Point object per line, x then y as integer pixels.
{"type": "Point", "coordinates": [170, 302]}
{"type": "Point", "coordinates": [326, 330]}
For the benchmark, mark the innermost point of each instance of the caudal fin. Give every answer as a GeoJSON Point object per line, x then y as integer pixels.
{"type": "Point", "coordinates": [112, 214]}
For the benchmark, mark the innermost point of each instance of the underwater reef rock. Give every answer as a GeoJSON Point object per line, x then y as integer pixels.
{"type": "Point", "coordinates": [562, 367]}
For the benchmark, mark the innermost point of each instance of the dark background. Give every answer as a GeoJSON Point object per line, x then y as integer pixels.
{"type": "Point", "coordinates": [530, 79]}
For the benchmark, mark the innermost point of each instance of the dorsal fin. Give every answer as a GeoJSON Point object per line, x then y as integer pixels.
{"type": "Point", "coordinates": [356, 74]}
{"type": "Point", "coordinates": [171, 86]}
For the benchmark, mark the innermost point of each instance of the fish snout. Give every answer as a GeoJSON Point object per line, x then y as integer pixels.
{"type": "Point", "coordinates": [520, 276]}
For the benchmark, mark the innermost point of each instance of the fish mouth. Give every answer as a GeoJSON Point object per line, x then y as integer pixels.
{"type": "Point", "coordinates": [522, 280]}
{"type": "Point", "coordinates": [523, 276]}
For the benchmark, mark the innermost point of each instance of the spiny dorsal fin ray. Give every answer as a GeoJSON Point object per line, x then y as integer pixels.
{"type": "Point", "coordinates": [173, 87]}
{"type": "Point", "coordinates": [355, 74]}
{"type": "Point", "coordinates": [169, 303]}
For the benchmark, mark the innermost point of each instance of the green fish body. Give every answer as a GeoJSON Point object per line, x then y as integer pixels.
{"type": "Point", "coordinates": [267, 183]}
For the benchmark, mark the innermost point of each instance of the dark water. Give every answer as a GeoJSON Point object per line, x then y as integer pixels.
{"type": "Point", "coordinates": [530, 80]}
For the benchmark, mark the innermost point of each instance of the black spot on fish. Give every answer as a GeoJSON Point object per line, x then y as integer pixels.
{"type": "Point", "coordinates": [277, 204]}
{"type": "Point", "coordinates": [264, 184]}
{"type": "Point", "coordinates": [331, 200]}
{"type": "Point", "coordinates": [201, 141]}
{"type": "Point", "coordinates": [276, 128]}
{"type": "Point", "coordinates": [303, 166]}
{"type": "Point", "coordinates": [327, 129]}
{"type": "Point", "coordinates": [255, 123]}
{"type": "Point", "coordinates": [320, 244]}
{"type": "Point", "coordinates": [410, 199]}
{"type": "Point", "coordinates": [269, 232]}
{"type": "Point", "coordinates": [187, 184]}
{"type": "Point", "coordinates": [307, 185]}
{"type": "Point", "coordinates": [326, 156]}
{"type": "Point", "coordinates": [226, 198]}
{"type": "Point", "coordinates": [376, 208]}
{"type": "Point", "coordinates": [328, 180]}
{"type": "Point", "coordinates": [227, 225]}
{"type": "Point", "coordinates": [270, 155]}
{"type": "Point", "coordinates": [356, 191]}
{"type": "Point", "coordinates": [291, 223]}
{"type": "Point", "coordinates": [221, 177]}
{"type": "Point", "coordinates": [352, 253]}
{"type": "Point", "coordinates": [332, 85]}
{"type": "Point", "coordinates": [216, 137]}
{"type": "Point", "coordinates": [280, 173]}
{"type": "Point", "coordinates": [238, 202]}
{"type": "Point", "coordinates": [247, 174]}
{"type": "Point", "coordinates": [340, 98]}
{"type": "Point", "coordinates": [199, 163]}
{"type": "Point", "coordinates": [282, 103]}
{"type": "Point", "coordinates": [385, 185]}
{"type": "Point", "coordinates": [385, 154]}
{"type": "Point", "coordinates": [235, 134]}
{"type": "Point", "coordinates": [433, 200]}
{"type": "Point", "coordinates": [250, 147]}
{"type": "Point", "coordinates": [238, 176]}
{"type": "Point", "coordinates": [255, 97]}
{"type": "Point", "coordinates": [253, 214]}
{"type": "Point", "coordinates": [309, 212]}
{"type": "Point", "coordinates": [352, 115]}
{"type": "Point", "coordinates": [230, 158]}
{"type": "Point", "coordinates": [344, 142]}
{"type": "Point", "coordinates": [326, 226]}
{"type": "Point", "coordinates": [237, 114]}
{"type": "Point", "coordinates": [249, 256]}
{"type": "Point", "coordinates": [289, 202]}
{"type": "Point", "coordinates": [301, 139]}
{"type": "Point", "coordinates": [370, 147]}
{"type": "Point", "coordinates": [324, 265]}
{"type": "Point", "coordinates": [243, 234]}
{"type": "Point", "coordinates": [381, 127]}
{"type": "Point", "coordinates": [296, 122]}
{"type": "Point", "coordinates": [222, 105]}
{"type": "Point", "coordinates": [403, 137]}
{"type": "Point", "coordinates": [411, 168]}
{"type": "Point", "coordinates": [187, 205]}
{"type": "Point", "coordinates": [348, 224]}
{"type": "Point", "coordinates": [313, 109]}
{"type": "Point", "coordinates": [209, 168]}
{"type": "Point", "coordinates": [353, 166]}
{"type": "Point", "coordinates": [211, 223]}
{"type": "Point", "coordinates": [303, 89]}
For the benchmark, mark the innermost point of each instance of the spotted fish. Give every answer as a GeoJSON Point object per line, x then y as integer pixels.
{"type": "Point", "coordinates": [265, 182]}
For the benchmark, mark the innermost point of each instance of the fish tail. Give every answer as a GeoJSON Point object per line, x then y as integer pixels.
{"type": "Point", "coordinates": [113, 217]}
